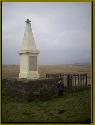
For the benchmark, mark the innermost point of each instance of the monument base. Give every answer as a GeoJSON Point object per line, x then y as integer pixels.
{"type": "Point", "coordinates": [29, 75]}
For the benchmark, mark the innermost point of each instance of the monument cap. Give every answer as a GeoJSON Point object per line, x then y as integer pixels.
{"type": "Point", "coordinates": [27, 21]}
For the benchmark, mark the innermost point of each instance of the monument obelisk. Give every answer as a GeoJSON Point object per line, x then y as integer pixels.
{"type": "Point", "coordinates": [28, 55]}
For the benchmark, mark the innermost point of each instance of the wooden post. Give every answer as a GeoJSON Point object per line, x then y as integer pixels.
{"type": "Point", "coordinates": [46, 75]}
{"type": "Point", "coordinates": [86, 79]}
{"type": "Point", "coordinates": [60, 75]}
{"type": "Point", "coordinates": [75, 82]}
{"type": "Point", "coordinates": [68, 81]}
{"type": "Point", "coordinates": [82, 81]}
{"type": "Point", "coordinates": [78, 81]}
{"type": "Point", "coordinates": [63, 79]}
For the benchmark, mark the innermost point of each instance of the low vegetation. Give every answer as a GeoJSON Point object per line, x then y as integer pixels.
{"type": "Point", "coordinates": [71, 107]}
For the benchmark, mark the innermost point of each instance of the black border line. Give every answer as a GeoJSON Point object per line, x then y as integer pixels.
{"type": "Point", "coordinates": [92, 61]}
{"type": "Point", "coordinates": [1, 61]}
{"type": "Point", "coordinates": [48, 122]}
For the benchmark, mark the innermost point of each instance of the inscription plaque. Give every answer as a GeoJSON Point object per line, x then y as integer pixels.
{"type": "Point", "coordinates": [33, 63]}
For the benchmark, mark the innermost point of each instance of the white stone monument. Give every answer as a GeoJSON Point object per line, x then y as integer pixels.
{"type": "Point", "coordinates": [28, 55]}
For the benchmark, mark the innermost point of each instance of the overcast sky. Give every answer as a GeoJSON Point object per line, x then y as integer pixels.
{"type": "Point", "coordinates": [61, 31]}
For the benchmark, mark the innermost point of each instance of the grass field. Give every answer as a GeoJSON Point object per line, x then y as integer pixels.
{"type": "Point", "coordinates": [12, 71]}
{"type": "Point", "coordinates": [72, 107]}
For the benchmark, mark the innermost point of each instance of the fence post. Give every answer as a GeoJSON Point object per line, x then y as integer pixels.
{"type": "Point", "coordinates": [83, 81]}
{"type": "Point", "coordinates": [46, 75]}
{"type": "Point", "coordinates": [86, 79]}
{"type": "Point", "coordinates": [78, 81]}
{"type": "Point", "coordinates": [60, 75]}
{"type": "Point", "coordinates": [75, 82]}
{"type": "Point", "coordinates": [68, 81]}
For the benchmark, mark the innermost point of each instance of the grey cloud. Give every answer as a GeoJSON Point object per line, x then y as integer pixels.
{"type": "Point", "coordinates": [61, 31]}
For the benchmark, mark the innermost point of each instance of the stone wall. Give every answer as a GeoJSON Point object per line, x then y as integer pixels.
{"type": "Point", "coordinates": [29, 89]}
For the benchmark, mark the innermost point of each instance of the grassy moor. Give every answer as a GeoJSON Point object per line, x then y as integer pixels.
{"type": "Point", "coordinates": [12, 71]}
{"type": "Point", "coordinates": [72, 106]}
